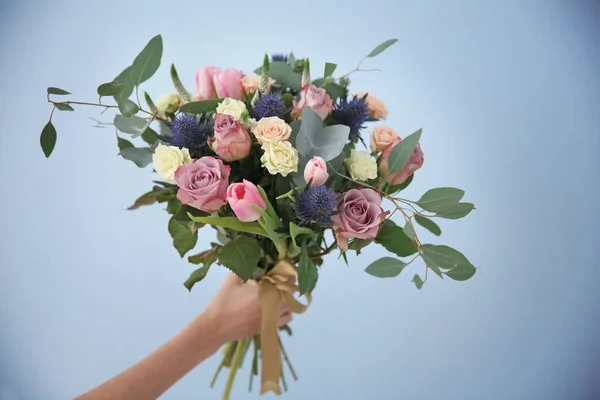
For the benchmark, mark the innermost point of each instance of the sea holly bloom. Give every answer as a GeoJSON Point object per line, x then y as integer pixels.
{"type": "Point", "coordinates": [414, 163]}
{"type": "Point", "coordinates": [241, 198]}
{"type": "Point", "coordinates": [203, 184]}
{"type": "Point", "coordinates": [190, 131]}
{"type": "Point", "coordinates": [351, 113]}
{"type": "Point", "coordinates": [269, 105]}
{"type": "Point", "coordinates": [316, 204]}
{"type": "Point", "coordinates": [359, 216]}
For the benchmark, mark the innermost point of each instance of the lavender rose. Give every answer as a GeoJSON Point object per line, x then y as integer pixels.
{"type": "Point", "coordinates": [359, 216]}
{"type": "Point", "coordinates": [203, 184]}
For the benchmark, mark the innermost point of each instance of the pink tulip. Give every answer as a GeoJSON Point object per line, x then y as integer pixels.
{"type": "Point", "coordinates": [204, 83]}
{"type": "Point", "coordinates": [315, 171]}
{"type": "Point", "coordinates": [414, 163]}
{"type": "Point", "coordinates": [241, 197]}
{"type": "Point", "coordinates": [232, 141]}
{"type": "Point", "coordinates": [228, 83]}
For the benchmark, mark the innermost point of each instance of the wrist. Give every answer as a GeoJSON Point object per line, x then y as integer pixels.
{"type": "Point", "coordinates": [207, 331]}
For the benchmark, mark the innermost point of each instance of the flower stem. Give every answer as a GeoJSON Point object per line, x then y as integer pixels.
{"type": "Point", "coordinates": [235, 363]}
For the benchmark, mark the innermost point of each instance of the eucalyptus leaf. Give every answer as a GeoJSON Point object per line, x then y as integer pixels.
{"type": "Point", "coordinates": [446, 257]}
{"type": "Point", "coordinates": [418, 281]}
{"type": "Point", "coordinates": [123, 144]}
{"type": "Point", "coordinates": [386, 267]}
{"type": "Point", "coordinates": [393, 189]}
{"type": "Point", "coordinates": [440, 197]}
{"type": "Point", "coordinates": [307, 272]}
{"type": "Point", "coordinates": [329, 69]}
{"type": "Point", "coordinates": [132, 125]}
{"type": "Point", "coordinates": [428, 224]}
{"type": "Point", "coordinates": [241, 256]}
{"type": "Point", "coordinates": [381, 47]}
{"type": "Point", "coordinates": [57, 91]}
{"type": "Point", "coordinates": [200, 107]}
{"type": "Point", "coordinates": [48, 139]}
{"type": "Point", "coordinates": [150, 136]}
{"type": "Point", "coordinates": [183, 239]}
{"type": "Point", "coordinates": [395, 240]}
{"type": "Point", "coordinates": [454, 211]}
{"type": "Point", "coordinates": [64, 107]}
{"type": "Point", "coordinates": [314, 140]}
{"type": "Point", "coordinates": [147, 61]}
{"type": "Point", "coordinates": [283, 74]}
{"type": "Point", "coordinates": [140, 156]}
{"type": "Point", "coordinates": [110, 88]}
{"type": "Point", "coordinates": [128, 107]}
{"type": "Point", "coordinates": [124, 80]}
{"type": "Point", "coordinates": [402, 151]}
{"type": "Point", "coordinates": [359, 244]}
{"type": "Point", "coordinates": [408, 229]}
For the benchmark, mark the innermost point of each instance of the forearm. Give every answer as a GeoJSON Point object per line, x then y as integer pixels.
{"type": "Point", "coordinates": [153, 375]}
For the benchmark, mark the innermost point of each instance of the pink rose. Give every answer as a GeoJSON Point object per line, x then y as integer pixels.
{"type": "Point", "coordinates": [241, 197]}
{"type": "Point", "coordinates": [203, 184]}
{"type": "Point", "coordinates": [228, 83]}
{"type": "Point", "coordinates": [375, 107]}
{"type": "Point", "coordinates": [414, 163]}
{"type": "Point", "coordinates": [205, 83]}
{"type": "Point", "coordinates": [315, 171]}
{"type": "Point", "coordinates": [212, 83]}
{"type": "Point", "coordinates": [315, 98]}
{"type": "Point", "coordinates": [232, 141]}
{"type": "Point", "coordinates": [359, 216]}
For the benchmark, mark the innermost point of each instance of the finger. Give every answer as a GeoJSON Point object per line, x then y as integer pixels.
{"type": "Point", "coordinates": [285, 318]}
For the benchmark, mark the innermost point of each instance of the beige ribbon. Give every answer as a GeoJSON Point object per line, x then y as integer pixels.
{"type": "Point", "coordinates": [276, 285]}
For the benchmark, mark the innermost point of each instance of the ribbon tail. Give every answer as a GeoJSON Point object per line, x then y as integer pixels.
{"type": "Point", "coordinates": [269, 337]}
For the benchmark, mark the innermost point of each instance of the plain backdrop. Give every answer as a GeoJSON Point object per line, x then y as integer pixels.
{"type": "Point", "coordinates": [507, 95]}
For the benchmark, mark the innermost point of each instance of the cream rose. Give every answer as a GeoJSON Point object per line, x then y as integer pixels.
{"type": "Point", "coordinates": [167, 159]}
{"type": "Point", "coordinates": [235, 108]}
{"type": "Point", "coordinates": [361, 166]}
{"type": "Point", "coordinates": [279, 158]}
{"type": "Point", "coordinates": [271, 129]}
{"type": "Point", "coordinates": [382, 137]}
{"type": "Point", "coordinates": [168, 103]}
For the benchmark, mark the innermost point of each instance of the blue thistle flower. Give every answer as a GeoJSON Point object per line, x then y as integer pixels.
{"type": "Point", "coordinates": [190, 132]}
{"type": "Point", "coordinates": [351, 113]}
{"type": "Point", "coordinates": [270, 105]}
{"type": "Point", "coordinates": [279, 57]}
{"type": "Point", "coordinates": [316, 204]}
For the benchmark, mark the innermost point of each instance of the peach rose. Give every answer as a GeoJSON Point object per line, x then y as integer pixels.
{"type": "Point", "coordinates": [375, 106]}
{"type": "Point", "coordinates": [271, 129]}
{"type": "Point", "coordinates": [382, 137]}
{"type": "Point", "coordinates": [250, 83]}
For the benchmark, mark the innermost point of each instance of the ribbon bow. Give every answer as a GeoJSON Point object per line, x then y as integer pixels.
{"type": "Point", "coordinates": [275, 285]}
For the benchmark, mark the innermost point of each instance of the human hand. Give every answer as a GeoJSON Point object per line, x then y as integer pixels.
{"type": "Point", "coordinates": [235, 310]}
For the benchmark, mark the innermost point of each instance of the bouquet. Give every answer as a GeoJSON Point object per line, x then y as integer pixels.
{"type": "Point", "coordinates": [277, 163]}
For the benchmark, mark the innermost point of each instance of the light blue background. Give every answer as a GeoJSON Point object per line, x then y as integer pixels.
{"type": "Point", "coordinates": [507, 94]}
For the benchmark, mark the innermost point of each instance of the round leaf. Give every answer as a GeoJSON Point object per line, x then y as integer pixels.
{"type": "Point", "coordinates": [386, 267]}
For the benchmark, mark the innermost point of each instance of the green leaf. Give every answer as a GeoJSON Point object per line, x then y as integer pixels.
{"type": "Point", "coordinates": [232, 223]}
{"type": "Point", "coordinates": [140, 156]}
{"type": "Point", "coordinates": [241, 256]}
{"type": "Point", "coordinates": [173, 206]}
{"type": "Point", "coordinates": [428, 224]}
{"type": "Point", "coordinates": [150, 136]}
{"type": "Point", "coordinates": [126, 82]}
{"type": "Point", "coordinates": [183, 239]}
{"type": "Point", "coordinates": [147, 62]}
{"type": "Point", "coordinates": [359, 244]}
{"type": "Point", "coordinates": [57, 91]}
{"type": "Point", "coordinates": [128, 107]}
{"type": "Point", "coordinates": [386, 267]}
{"type": "Point", "coordinates": [314, 140]}
{"type": "Point", "coordinates": [393, 189]}
{"type": "Point", "coordinates": [146, 199]}
{"type": "Point", "coordinates": [206, 257]}
{"type": "Point", "coordinates": [445, 257]}
{"type": "Point", "coordinates": [48, 139]}
{"type": "Point", "coordinates": [133, 125]}
{"type": "Point", "coordinates": [334, 90]}
{"type": "Point", "coordinates": [408, 229]}
{"type": "Point", "coordinates": [64, 107]}
{"type": "Point", "coordinates": [307, 273]}
{"type": "Point", "coordinates": [382, 47]}
{"type": "Point", "coordinates": [402, 151]}
{"type": "Point", "coordinates": [296, 231]}
{"type": "Point", "coordinates": [417, 281]}
{"type": "Point", "coordinates": [196, 277]}
{"type": "Point", "coordinates": [283, 74]}
{"type": "Point", "coordinates": [393, 238]}
{"type": "Point", "coordinates": [200, 107]}
{"type": "Point", "coordinates": [440, 197]}
{"type": "Point", "coordinates": [454, 211]}
{"type": "Point", "coordinates": [329, 69]}
{"type": "Point", "coordinates": [123, 144]}
{"type": "Point", "coordinates": [288, 100]}
{"type": "Point", "coordinates": [110, 88]}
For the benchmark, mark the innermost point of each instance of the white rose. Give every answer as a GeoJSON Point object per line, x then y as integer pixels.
{"type": "Point", "coordinates": [235, 108]}
{"type": "Point", "coordinates": [279, 158]}
{"type": "Point", "coordinates": [168, 103]}
{"type": "Point", "coordinates": [361, 166]}
{"type": "Point", "coordinates": [167, 159]}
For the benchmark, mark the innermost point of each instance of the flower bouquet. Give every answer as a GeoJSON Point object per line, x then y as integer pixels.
{"type": "Point", "coordinates": [272, 162]}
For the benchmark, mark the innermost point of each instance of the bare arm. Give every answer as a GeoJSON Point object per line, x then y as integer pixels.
{"type": "Point", "coordinates": [234, 313]}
